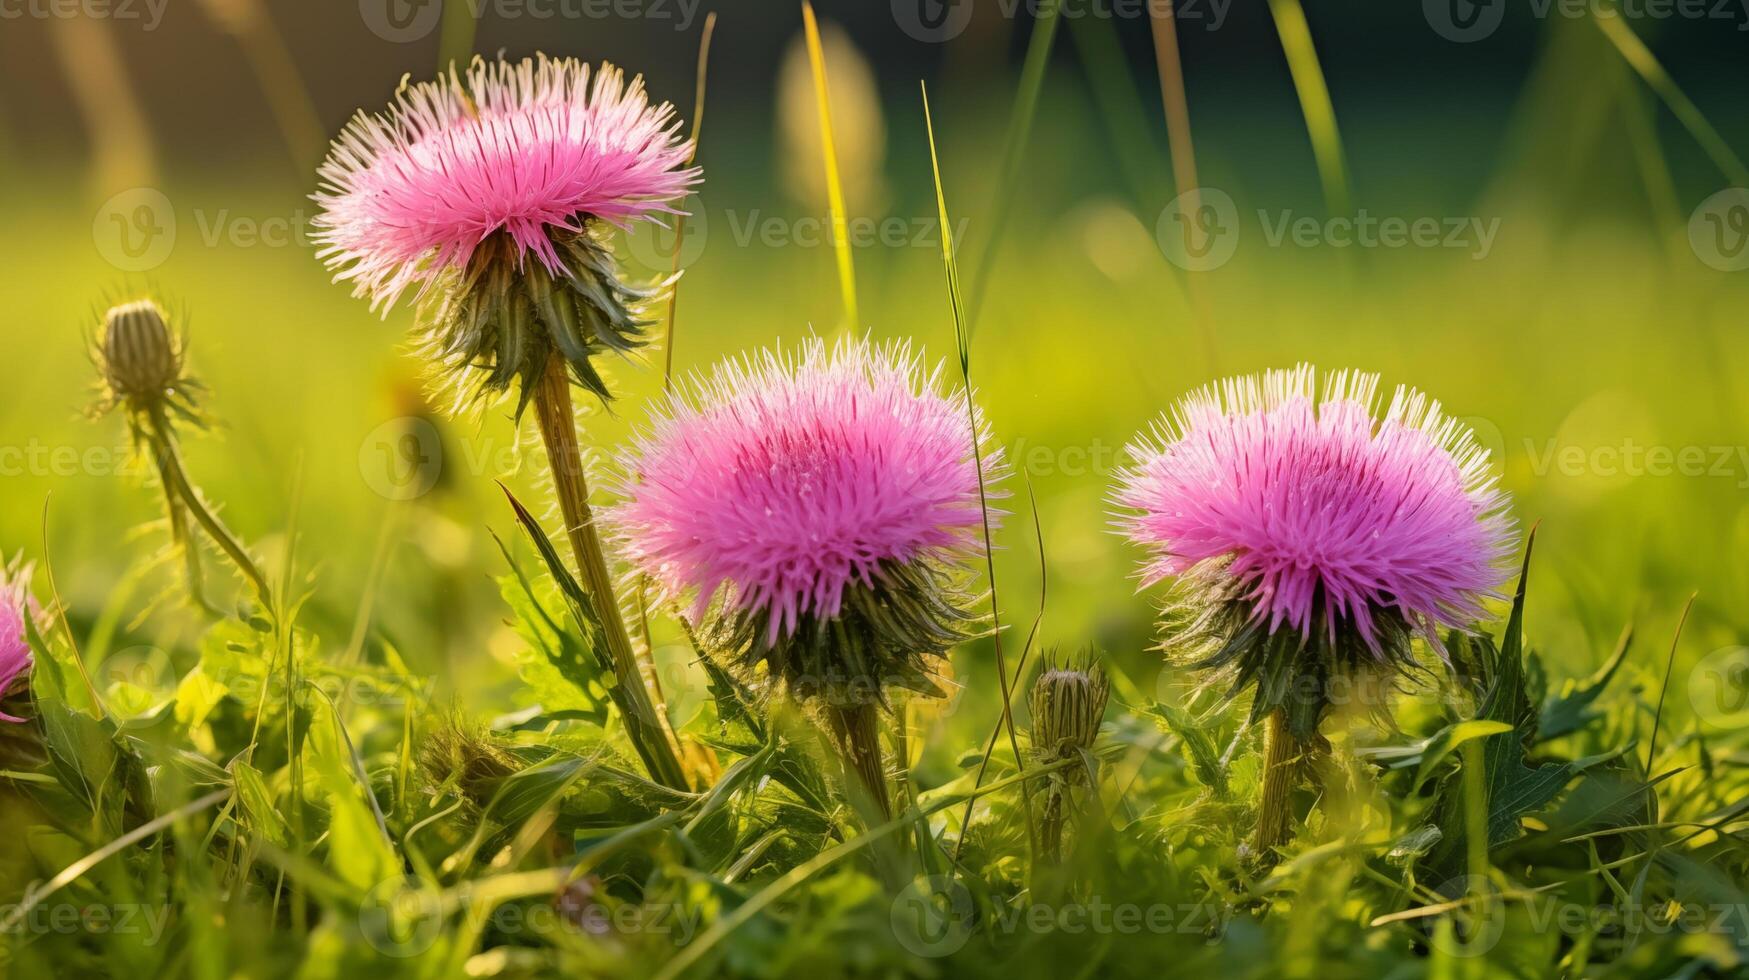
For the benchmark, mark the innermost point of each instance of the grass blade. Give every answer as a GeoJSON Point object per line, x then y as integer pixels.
{"type": "Point", "coordinates": [1032, 81]}
{"type": "Point", "coordinates": [1164, 23]}
{"type": "Point", "coordinates": [834, 188]}
{"type": "Point", "coordinates": [962, 338]}
{"type": "Point", "coordinates": [704, 61]}
{"type": "Point", "coordinates": [1641, 59]}
{"type": "Point", "coordinates": [1315, 104]}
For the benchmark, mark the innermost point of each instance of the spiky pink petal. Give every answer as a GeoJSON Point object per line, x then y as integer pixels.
{"type": "Point", "coordinates": [521, 147]}
{"type": "Point", "coordinates": [1322, 505]}
{"type": "Point", "coordinates": [785, 478]}
{"type": "Point", "coordinates": [15, 656]}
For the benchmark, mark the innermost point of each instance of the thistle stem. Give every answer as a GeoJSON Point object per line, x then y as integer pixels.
{"type": "Point", "coordinates": [177, 484]}
{"type": "Point", "coordinates": [1051, 831]}
{"type": "Point", "coordinates": [1282, 753]}
{"type": "Point", "coordinates": [856, 728]}
{"type": "Point", "coordinates": [179, 530]}
{"type": "Point", "coordinates": [558, 426]}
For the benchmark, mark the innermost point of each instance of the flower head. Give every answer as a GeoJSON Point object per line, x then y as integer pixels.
{"type": "Point", "coordinates": [468, 178]}
{"type": "Point", "coordinates": [139, 361]}
{"type": "Point", "coordinates": [1068, 704]}
{"type": "Point", "coordinates": [1296, 523]}
{"type": "Point", "coordinates": [812, 507]}
{"type": "Point", "coordinates": [15, 604]}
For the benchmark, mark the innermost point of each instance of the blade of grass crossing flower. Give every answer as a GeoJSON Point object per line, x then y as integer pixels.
{"type": "Point", "coordinates": [963, 340]}
{"type": "Point", "coordinates": [1643, 61]}
{"type": "Point", "coordinates": [1315, 104]}
{"type": "Point", "coordinates": [704, 60]}
{"type": "Point", "coordinates": [834, 188]}
{"type": "Point", "coordinates": [1032, 80]}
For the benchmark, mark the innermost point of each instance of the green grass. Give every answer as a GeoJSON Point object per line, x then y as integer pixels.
{"type": "Point", "coordinates": [399, 781]}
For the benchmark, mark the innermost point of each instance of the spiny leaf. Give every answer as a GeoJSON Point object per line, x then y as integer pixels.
{"type": "Point", "coordinates": [1199, 744]}
{"type": "Point", "coordinates": [1570, 711]}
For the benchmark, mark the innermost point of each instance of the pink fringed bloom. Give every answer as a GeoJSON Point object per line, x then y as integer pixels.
{"type": "Point", "coordinates": [15, 604]}
{"type": "Point", "coordinates": [1294, 523]}
{"type": "Point", "coordinates": [466, 178]}
{"type": "Point", "coordinates": [811, 506]}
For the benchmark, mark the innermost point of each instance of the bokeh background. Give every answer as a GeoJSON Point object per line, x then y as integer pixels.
{"type": "Point", "coordinates": [1587, 316]}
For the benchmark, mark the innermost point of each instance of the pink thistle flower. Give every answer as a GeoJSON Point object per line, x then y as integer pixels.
{"type": "Point", "coordinates": [15, 604]}
{"type": "Point", "coordinates": [795, 495]}
{"type": "Point", "coordinates": [524, 148]}
{"type": "Point", "coordinates": [1317, 522]}
{"type": "Point", "coordinates": [465, 179]}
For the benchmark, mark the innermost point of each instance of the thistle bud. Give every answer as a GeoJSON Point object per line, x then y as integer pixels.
{"type": "Point", "coordinates": [1068, 703]}
{"type": "Point", "coordinates": [138, 354]}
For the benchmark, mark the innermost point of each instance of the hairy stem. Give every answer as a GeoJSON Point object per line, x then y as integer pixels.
{"type": "Point", "coordinates": [856, 729]}
{"type": "Point", "coordinates": [180, 535]}
{"type": "Point", "coordinates": [558, 428]}
{"type": "Point", "coordinates": [177, 484]}
{"type": "Point", "coordinates": [1282, 754]}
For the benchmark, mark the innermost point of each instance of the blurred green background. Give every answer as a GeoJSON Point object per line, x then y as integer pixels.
{"type": "Point", "coordinates": [1595, 339]}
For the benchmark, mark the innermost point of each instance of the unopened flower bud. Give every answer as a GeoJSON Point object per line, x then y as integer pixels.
{"type": "Point", "coordinates": [1068, 703]}
{"type": "Point", "coordinates": [140, 359]}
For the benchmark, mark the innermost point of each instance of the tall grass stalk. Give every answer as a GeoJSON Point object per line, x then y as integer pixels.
{"type": "Point", "coordinates": [1164, 24]}
{"type": "Point", "coordinates": [1315, 104]}
{"type": "Point", "coordinates": [834, 187]}
{"type": "Point", "coordinates": [962, 340]}
{"type": "Point", "coordinates": [1643, 61]}
{"type": "Point", "coordinates": [1032, 81]}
